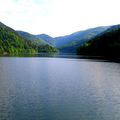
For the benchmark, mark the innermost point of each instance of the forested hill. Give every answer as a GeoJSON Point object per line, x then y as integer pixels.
{"type": "Point", "coordinates": [42, 45]}
{"type": "Point", "coordinates": [107, 44]}
{"type": "Point", "coordinates": [32, 38]}
{"type": "Point", "coordinates": [70, 43]}
{"type": "Point", "coordinates": [12, 43]}
{"type": "Point", "coordinates": [47, 38]}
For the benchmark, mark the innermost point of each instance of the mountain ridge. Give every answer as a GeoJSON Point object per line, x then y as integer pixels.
{"type": "Point", "coordinates": [69, 43]}
{"type": "Point", "coordinates": [31, 37]}
{"type": "Point", "coordinates": [106, 44]}
{"type": "Point", "coordinates": [13, 43]}
{"type": "Point", "coordinates": [46, 38]}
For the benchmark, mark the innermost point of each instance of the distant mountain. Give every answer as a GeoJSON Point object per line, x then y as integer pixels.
{"type": "Point", "coordinates": [107, 43]}
{"type": "Point", "coordinates": [43, 46]}
{"type": "Point", "coordinates": [71, 42]}
{"type": "Point", "coordinates": [32, 38]}
{"type": "Point", "coordinates": [12, 43]}
{"type": "Point", "coordinates": [94, 41]}
{"type": "Point", "coordinates": [46, 38]}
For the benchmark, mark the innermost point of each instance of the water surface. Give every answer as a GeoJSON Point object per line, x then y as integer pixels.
{"type": "Point", "coordinates": [59, 89]}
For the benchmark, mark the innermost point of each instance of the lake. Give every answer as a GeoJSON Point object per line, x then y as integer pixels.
{"type": "Point", "coordinates": [42, 88]}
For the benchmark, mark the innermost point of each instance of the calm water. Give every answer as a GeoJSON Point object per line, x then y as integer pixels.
{"type": "Point", "coordinates": [59, 89]}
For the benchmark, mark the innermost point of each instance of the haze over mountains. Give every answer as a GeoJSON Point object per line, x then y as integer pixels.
{"type": "Point", "coordinates": [68, 43]}
{"type": "Point", "coordinates": [19, 41]}
{"type": "Point", "coordinates": [46, 38]}
{"type": "Point", "coordinates": [79, 36]}
{"type": "Point", "coordinates": [71, 42]}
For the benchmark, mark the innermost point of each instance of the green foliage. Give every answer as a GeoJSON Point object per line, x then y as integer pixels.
{"type": "Point", "coordinates": [32, 38]}
{"type": "Point", "coordinates": [12, 43]}
{"type": "Point", "coordinates": [47, 48]}
{"type": "Point", "coordinates": [107, 44]}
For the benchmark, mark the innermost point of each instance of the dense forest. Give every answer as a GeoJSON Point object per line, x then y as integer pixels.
{"type": "Point", "coordinates": [70, 43]}
{"type": "Point", "coordinates": [12, 43]}
{"type": "Point", "coordinates": [41, 44]}
{"type": "Point", "coordinates": [105, 41]}
{"type": "Point", "coordinates": [105, 44]}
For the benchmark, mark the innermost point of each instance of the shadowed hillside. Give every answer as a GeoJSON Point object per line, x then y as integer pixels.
{"type": "Point", "coordinates": [107, 44]}
{"type": "Point", "coordinates": [70, 43]}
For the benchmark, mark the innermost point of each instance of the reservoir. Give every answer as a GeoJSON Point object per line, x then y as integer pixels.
{"type": "Point", "coordinates": [43, 88]}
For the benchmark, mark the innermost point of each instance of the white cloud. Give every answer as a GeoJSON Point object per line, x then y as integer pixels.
{"type": "Point", "coordinates": [58, 17]}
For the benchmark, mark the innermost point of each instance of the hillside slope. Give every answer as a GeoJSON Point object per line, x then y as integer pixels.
{"type": "Point", "coordinates": [107, 44]}
{"type": "Point", "coordinates": [32, 38]}
{"type": "Point", "coordinates": [42, 45]}
{"type": "Point", "coordinates": [71, 42]}
{"type": "Point", "coordinates": [46, 38]}
{"type": "Point", "coordinates": [12, 43]}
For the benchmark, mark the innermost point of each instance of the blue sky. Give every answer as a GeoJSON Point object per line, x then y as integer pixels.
{"type": "Point", "coordinates": [58, 17]}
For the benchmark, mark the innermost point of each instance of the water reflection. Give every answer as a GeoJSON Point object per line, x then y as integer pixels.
{"type": "Point", "coordinates": [70, 55]}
